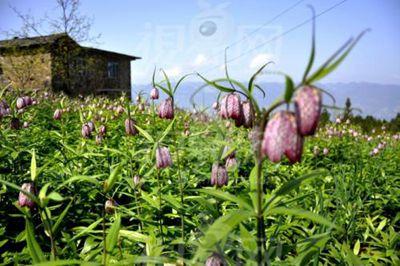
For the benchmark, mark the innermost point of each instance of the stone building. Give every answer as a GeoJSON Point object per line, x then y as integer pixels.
{"type": "Point", "coordinates": [59, 63]}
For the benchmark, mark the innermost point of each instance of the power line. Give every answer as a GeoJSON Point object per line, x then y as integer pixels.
{"type": "Point", "coordinates": [266, 23]}
{"type": "Point", "coordinates": [259, 28]}
{"type": "Point", "coordinates": [281, 35]}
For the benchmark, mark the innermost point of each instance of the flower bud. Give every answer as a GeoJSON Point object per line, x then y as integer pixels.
{"type": "Point", "coordinates": [215, 260]}
{"type": "Point", "coordinates": [85, 131]}
{"type": "Point", "coordinates": [154, 94]}
{"type": "Point", "coordinates": [25, 125]}
{"type": "Point", "coordinates": [136, 180]}
{"type": "Point", "coordinates": [325, 151]}
{"type": "Point", "coordinates": [110, 206]}
{"type": "Point", "coordinates": [219, 175]}
{"type": "Point", "coordinates": [99, 139]}
{"type": "Point", "coordinates": [230, 163]}
{"type": "Point", "coordinates": [130, 128]}
{"type": "Point", "coordinates": [91, 126]}
{"type": "Point", "coordinates": [163, 158]}
{"type": "Point", "coordinates": [215, 106]}
{"type": "Point", "coordinates": [316, 150]}
{"type": "Point", "coordinates": [27, 100]}
{"type": "Point", "coordinates": [281, 137]}
{"type": "Point", "coordinates": [15, 123]}
{"type": "Point", "coordinates": [166, 109]}
{"type": "Point", "coordinates": [57, 114]}
{"type": "Point", "coordinates": [24, 200]}
{"type": "Point", "coordinates": [102, 130]}
{"type": "Point", "coordinates": [20, 103]}
{"type": "Point", "coordinates": [228, 153]}
{"type": "Point", "coordinates": [308, 104]}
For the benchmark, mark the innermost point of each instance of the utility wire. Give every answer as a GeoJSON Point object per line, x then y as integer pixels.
{"type": "Point", "coordinates": [258, 28]}
{"type": "Point", "coordinates": [282, 34]}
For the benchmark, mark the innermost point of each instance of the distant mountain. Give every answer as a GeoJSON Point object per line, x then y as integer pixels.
{"type": "Point", "coordinates": [378, 100]}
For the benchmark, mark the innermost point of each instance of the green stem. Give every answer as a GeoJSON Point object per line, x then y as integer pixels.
{"type": "Point", "coordinates": [260, 215]}
{"type": "Point", "coordinates": [104, 238]}
{"type": "Point", "coordinates": [51, 236]}
{"type": "Point", "coordinates": [180, 186]}
{"type": "Point", "coordinates": [159, 209]}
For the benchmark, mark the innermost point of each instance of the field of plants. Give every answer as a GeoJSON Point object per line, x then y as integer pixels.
{"type": "Point", "coordinates": [101, 181]}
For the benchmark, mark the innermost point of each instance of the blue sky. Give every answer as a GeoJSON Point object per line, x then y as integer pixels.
{"type": "Point", "coordinates": [186, 36]}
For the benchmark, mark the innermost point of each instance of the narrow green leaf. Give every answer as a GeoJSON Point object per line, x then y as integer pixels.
{"type": "Point", "coordinates": [60, 218]}
{"type": "Point", "coordinates": [134, 236]}
{"type": "Point", "coordinates": [253, 78]}
{"type": "Point", "coordinates": [223, 226]}
{"type": "Point", "coordinates": [312, 54]}
{"type": "Point", "coordinates": [180, 81]}
{"type": "Point", "coordinates": [113, 177]}
{"type": "Point", "coordinates": [33, 166]}
{"type": "Point", "coordinates": [85, 230]}
{"type": "Point", "coordinates": [248, 240]}
{"type": "Point", "coordinates": [145, 134]}
{"type": "Point", "coordinates": [295, 183]}
{"type": "Point", "coordinates": [289, 88]}
{"type": "Point", "coordinates": [303, 214]}
{"type": "Point", "coordinates": [168, 81]}
{"type": "Point", "coordinates": [328, 67]}
{"type": "Point", "coordinates": [33, 246]}
{"type": "Point", "coordinates": [356, 248]}
{"type": "Point", "coordinates": [167, 130]}
{"type": "Point", "coordinates": [165, 90]}
{"type": "Point", "coordinates": [227, 196]}
{"type": "Point", "coordinates": [216, 85]}
{"type": "Point", "coordinates": [55, 196]}
{"type": "Point", "coordinates": [82, 178]}
{"type": "Point", "coordinates": [112, 236]}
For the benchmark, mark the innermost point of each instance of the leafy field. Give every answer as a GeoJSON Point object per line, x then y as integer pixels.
{"type": "Point", "coordinates": [338, 206]}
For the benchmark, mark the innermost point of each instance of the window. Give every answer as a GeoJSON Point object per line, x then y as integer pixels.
{"type": "Point", "coordinates": [112, 69]}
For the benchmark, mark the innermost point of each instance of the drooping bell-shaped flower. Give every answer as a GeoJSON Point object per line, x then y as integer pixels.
{"type": "Point", "coordinates": [219, 175]}
{"type": "Point", "coordinates": [23, 199]}
{"type": "Point", "coordinates": [91, 126]}
{"type": "Point", "coordinates": [163, 158]}
{"type": "Point", "coordinates": [166, 109]}
{"type": "Point", "coordinates": [110, 206]}
{"type": "Point", "coordinates": [222, 107]}
{"type": "Point", "coordinates": [57, 114]}
{"type": "Point", "coordinates": [130, 128]}
{"type": "Point", "coordinates": [85, 131]}
{"type": "Point", "coordinates": [233, 106]}
{"type": "Point", "coordinates": [281, 138]}
{"type": "Point", "coordinates": [154, 94]}
{"type": "Point", "coordinates": [99, 139]}
{"type": "Point", "coordinates": [27, 100]}
{"type": "Point", "coordinates": [215, 105]}
{"type": "Point", "coordinates": [15, 123]}
{"type": "Point", "coordinates": [136, 180]}
{"type": "Point", "coordinates": [230, 163]}
{"type": "Point", "coordinates": [248, 114]}
{"type": "Point", "coordinates": [20, 103]}
{"type": "Point", "coordinates": [102, 130]}
{"type": "Point", "coordinates": [215, 260]}
{"type": "Point", "coordinates": [308, 102]}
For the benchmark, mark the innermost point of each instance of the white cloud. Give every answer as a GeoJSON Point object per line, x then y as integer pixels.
{"type": "Point", "coordinates": [200, 60]}
{"type": "Point", "coordinates": [260, 59]}
{"type": "Point", "coordinates": [173, 72]}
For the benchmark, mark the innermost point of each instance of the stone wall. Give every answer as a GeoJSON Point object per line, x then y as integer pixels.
{"type": "Point", "coordinates": [26, 70]}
